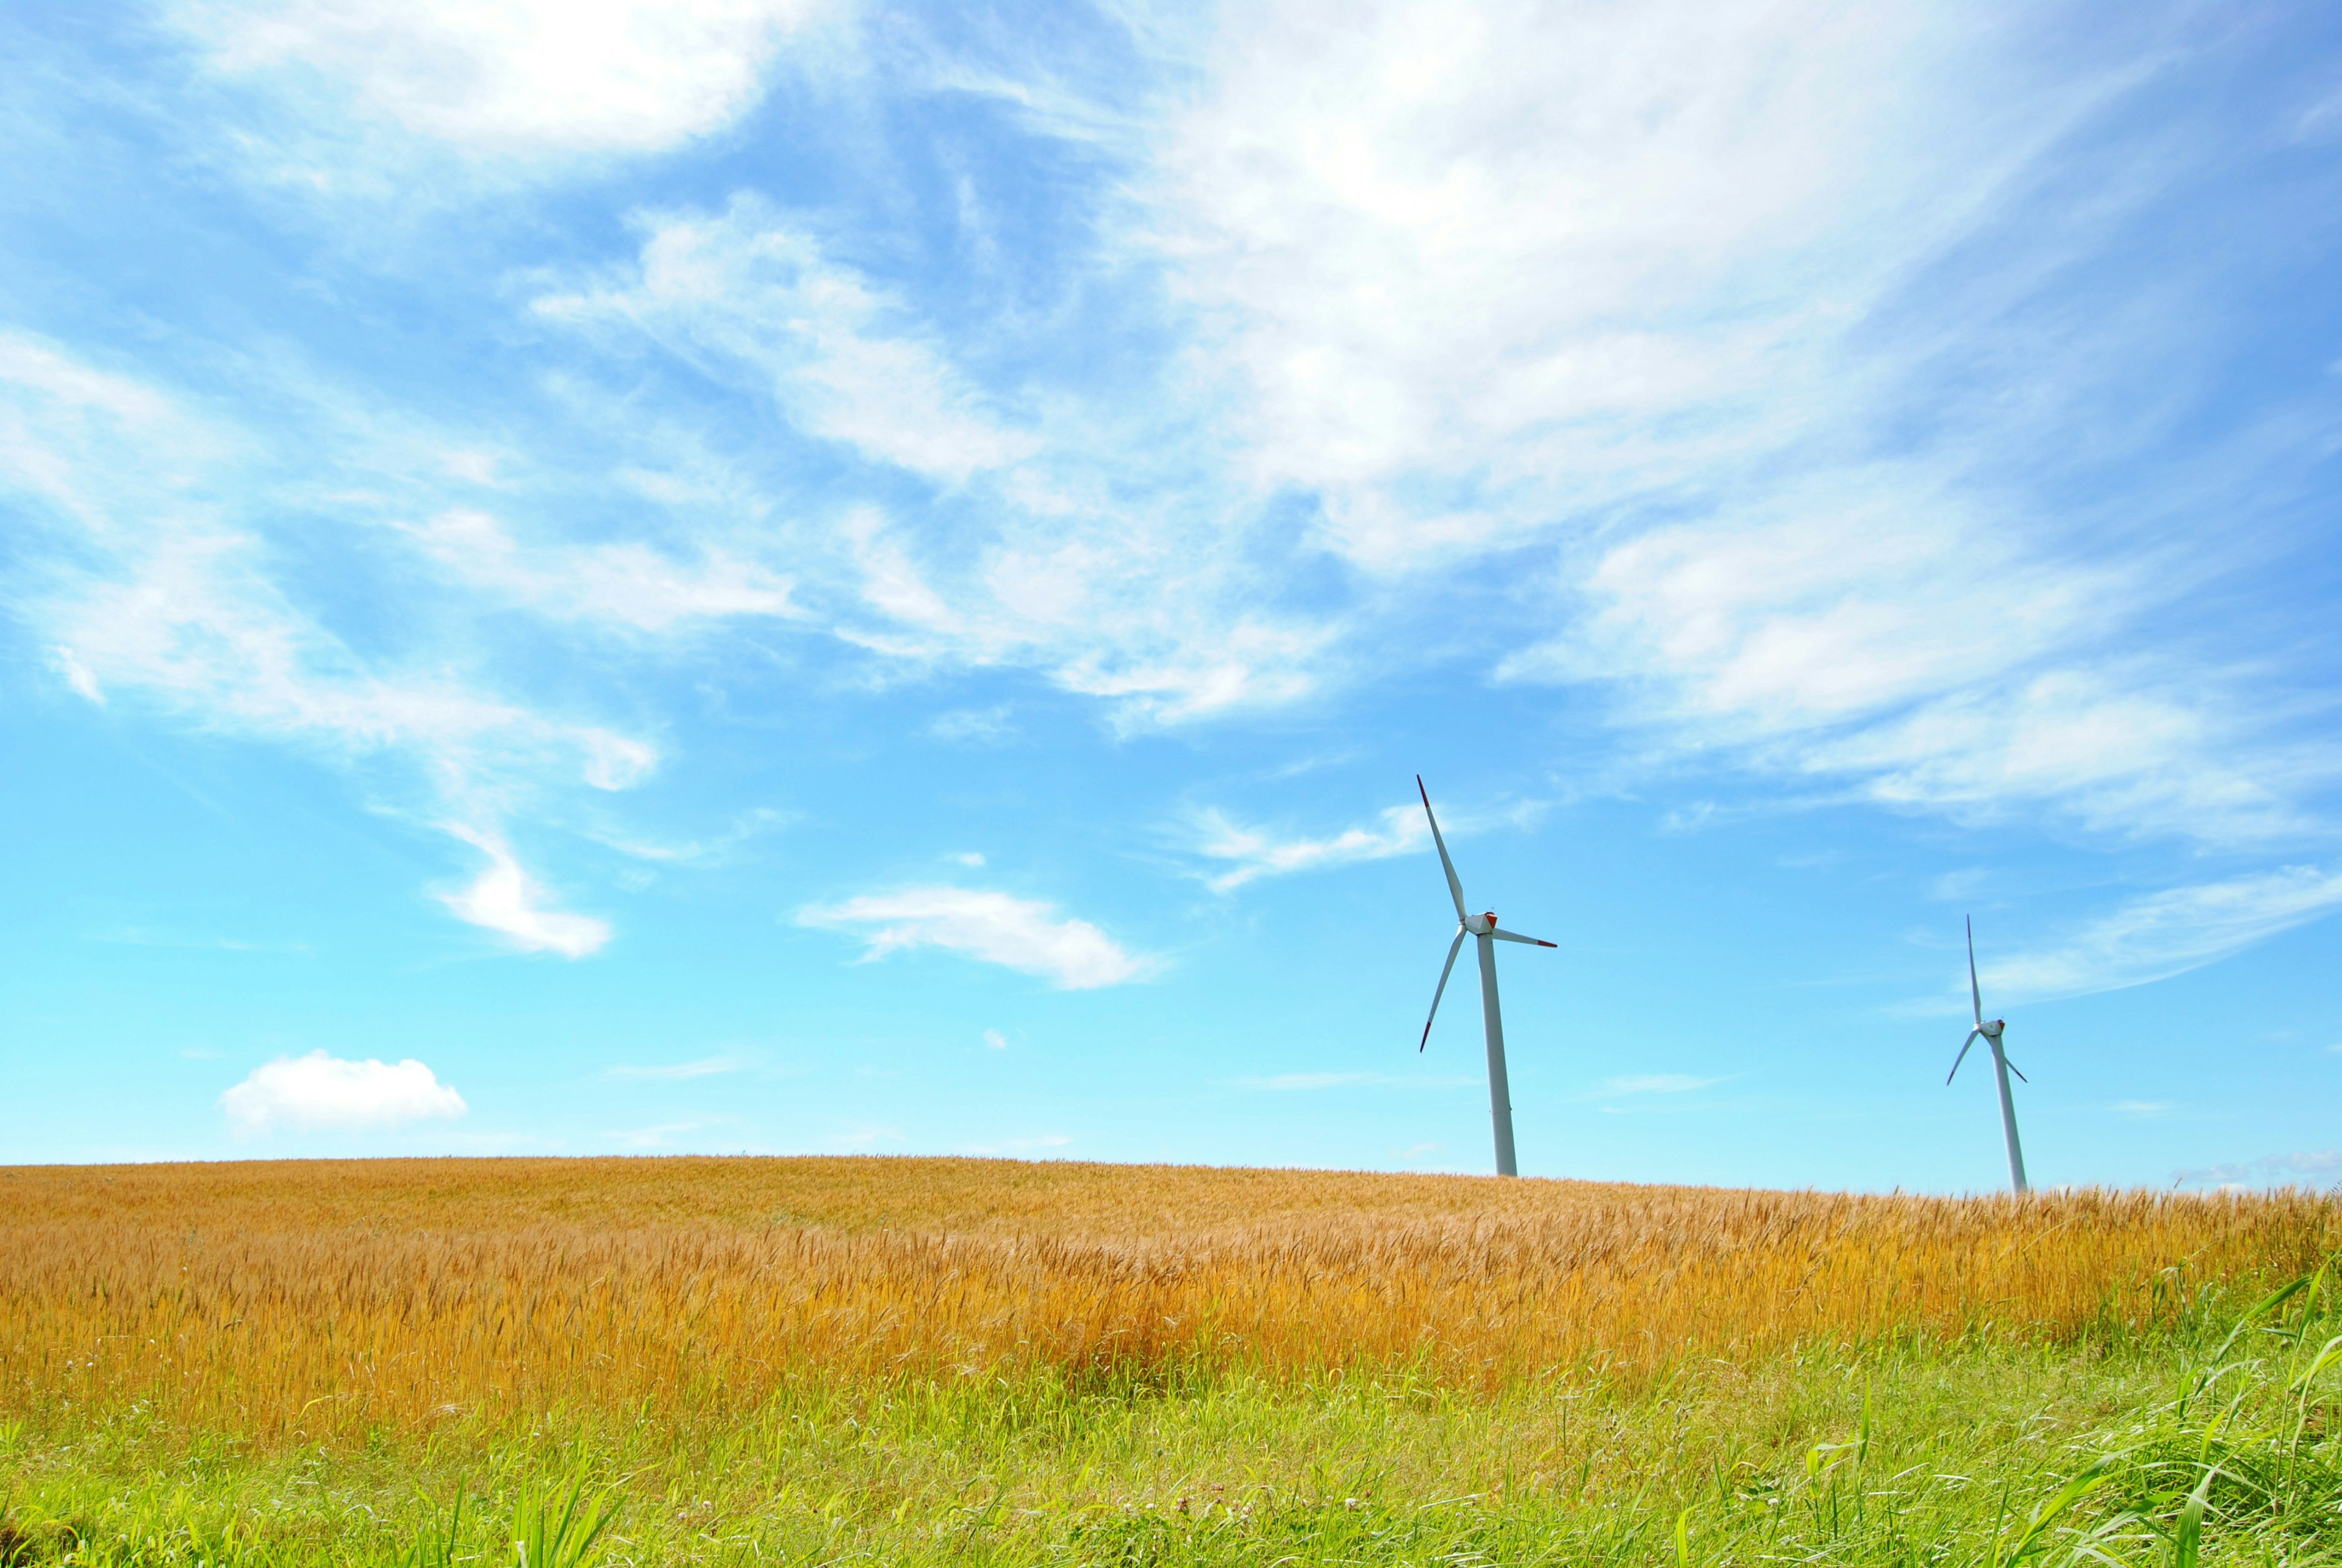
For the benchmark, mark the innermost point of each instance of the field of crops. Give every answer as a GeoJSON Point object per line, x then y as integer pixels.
{"type": "Point", "coordinates": [905, 1360]}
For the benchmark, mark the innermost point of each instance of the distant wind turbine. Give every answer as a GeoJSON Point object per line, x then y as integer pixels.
{"type": "Point", "coordinates": [1484, 926]}
{"type": "Point", "coordinates": [1988, 1030]}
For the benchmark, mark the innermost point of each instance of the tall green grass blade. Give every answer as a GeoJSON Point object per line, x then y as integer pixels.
{"type": "Point", "coordinates": [2188, 1540]}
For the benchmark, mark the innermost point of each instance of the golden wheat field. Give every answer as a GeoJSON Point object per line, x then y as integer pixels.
{"type": "Point", "coordinates": [311, 1301]}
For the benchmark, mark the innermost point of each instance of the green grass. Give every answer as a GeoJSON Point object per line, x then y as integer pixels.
{"type": "Point", "coordinates": [2212, 1444]}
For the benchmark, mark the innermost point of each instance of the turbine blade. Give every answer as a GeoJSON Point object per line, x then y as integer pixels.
{"type": "Point", "coordinates": [2012, 1067]}
{"type": "Point", "coordinates": [1455, 888]}
{"type": "Point", "coordinates": [1517, 936]}
{"type": "Point", "coordinates": [1975, 995]}
{"type": "Point", "coordinates": [1963, 1057]}
{"type": "Point", "coordinates": [1445, 971]}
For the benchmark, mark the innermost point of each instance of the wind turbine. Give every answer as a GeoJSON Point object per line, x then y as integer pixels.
{"type": "Point", "coordinates": [1484, 927]}
{"type": "Point", "coordinates": [1988, 1030]}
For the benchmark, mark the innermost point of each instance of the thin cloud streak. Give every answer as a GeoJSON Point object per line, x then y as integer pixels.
{"type": "Point", "coordinates": [676, 1072]}
{"type": "Point", "coordinates": [1294, 1082]}
{"type": "Point", "coordinates": [1025, 934]}
{"type": "Point", "coordinates": [2165, 934]}
{"type": "Point", "coordinates": [1257, 853]}
{"type": "Point", "coordinates": [1657, 1084]}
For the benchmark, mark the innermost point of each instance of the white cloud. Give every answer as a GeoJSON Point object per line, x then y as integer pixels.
{"type": "Point", "coordinates": [2117, 756]}
{"type": "Point", "coordinates": [1532, 253]}
{"type": "Point", "coordinates": [2165, 934]}
{"type": "Point", "coordinates": [511, 76]}
{"type": "Point", "coordinates": [628, 582]}
{"type": "Point", "coordinates": [1844, 605]}
{"type": "Point", "coordinates": [1897, 643]}
{"type": "Point", "coordinates": [1023, 934]}
{"type": "Point", "coordinates": [677, 1071]}
{"type": "Point", "coordinates": [77, 675]}
{"type": "Point", "coordinates": [1656, 1084]}
{"type": "Point", "coordinates": [321, 1091]}
{"type": "Point", "coordinates": [978, 726]}
{"type": "Point", "coordinates": [749, 291]}
{"type": "Point", "coordinates": [149, 592]}
{"type": "Point", "coordinates": [2140, 1108]}
{"type": "Point", "coordinates": [1092, 543]}
{"type": "Point", "coordinates": [1618, 297]}
{"type": "Point", "coordinates": [504, 898]}
{"type": "Point", "coordinates": [1257, 854]}
{"type": "Point", "coordinates": [995, 1040]}
{"type": "Point", "coordinates": [970, 858]}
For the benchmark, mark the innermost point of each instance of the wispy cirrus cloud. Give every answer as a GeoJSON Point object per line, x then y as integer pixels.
{"type": "Point", "coordinates": [147, 586]}
{"type": "Point", "coordinates": [1071, 535]}
{"type": "Point", "coordinates": [747, 291]}
{"type": "Point", "coordinates": [519, 78]}
{"type": "Point", "coordinates": [1683, 451]}
{"type": "Point", "coordinates": [2165, 934]}
{"type": "Point", "coordinates": [628, 582]}
{"type": "Point", "coordinates": [1297, 1083]}
{"type": "Point", "coordinates": [1027, 935]}
{"type": "Point", "coordinates": [1657, 1084]}
{"type": "Point", "coordinates": [1256, 852]}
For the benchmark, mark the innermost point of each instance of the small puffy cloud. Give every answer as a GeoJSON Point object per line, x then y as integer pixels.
{"type": "Point", "coordinates": [995, 1040]}
{"type": "Point", "coordinates": [322, 1091]}
{"type": "Point", "coordinates": [504, 898]}
{"type": "Point", "coordinates": [1019, 933]}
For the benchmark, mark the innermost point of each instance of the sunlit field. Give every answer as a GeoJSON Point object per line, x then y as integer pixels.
{"type": "Point", "coordinates": [978, 1360]}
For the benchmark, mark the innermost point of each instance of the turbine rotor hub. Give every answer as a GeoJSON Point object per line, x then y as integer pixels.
{"type": "Point", "coordinates": [1480, 925]}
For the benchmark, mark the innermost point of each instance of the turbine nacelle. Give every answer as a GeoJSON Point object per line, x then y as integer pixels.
{"type": "Point", "coordinates": [1480, 925]}
{"type": "Point", "coordinates": [1990, 1029]}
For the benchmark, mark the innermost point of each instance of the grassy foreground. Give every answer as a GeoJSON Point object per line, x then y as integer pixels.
{"type": "Point", "coordinates": [972, 1362]}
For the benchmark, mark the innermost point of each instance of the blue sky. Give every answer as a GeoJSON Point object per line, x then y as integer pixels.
{"type": "Point", "coordinates": [803, 576]}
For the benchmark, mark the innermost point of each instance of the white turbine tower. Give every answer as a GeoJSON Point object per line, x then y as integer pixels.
{"type": "Point", "coordinates": [1989, 1030]}
{"type": "Point", "coordinates": [1483, 926]}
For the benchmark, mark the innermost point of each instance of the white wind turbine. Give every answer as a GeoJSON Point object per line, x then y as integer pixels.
{"type": "Point", "coordinates": [1484, 926]}
{"type": "Point", "coordinates": [1988, 1030]}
